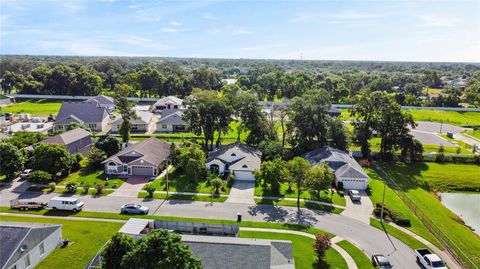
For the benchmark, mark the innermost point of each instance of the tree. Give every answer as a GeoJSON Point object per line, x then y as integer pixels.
{"type": "Point", "coordinates": [321, 245]}
{"type": "Point", "coordinates": [249, 111]}
{"type": "Point", "coordinates": [125, 108]}
{"type": "Point", "coordinates": [150, 189]}
{"type": "Point", "coordinates": [217, 184]}
{"type": "Point", "coordinates": [75, 125]}
{"type": "Point", "coordinates": [205, 78]}
{"type": "Point", "coordinates": [411, 148]}
{"type": "Point", "coordinates": [318, 178]}
{"type": "Point", "coordinates": [39, 176]}
{"type": "Point", "coordinates": [191, 160]}
{"type": "Point", "coordinates": [298, 168]}
{"type": "Point", "coordinates": [52, 158]}
{"type": "Point", "coordinates": [162, 250]}
{"type": "Point", "coordinates": [95, 157]}
{"type": "Point", "coordinates": [338, 134]}
{"type": "Point", "coordinates": [270, 149]}
{"type": "Point", "coordinates": [109, 144]}
{"type": "Point", "coordinates": [272, 174]}
{"type": "Point", "coordinates": [24, 139]}
{"type": "Point", "coordinates": [11, 160]}
{"type": "Point", "coordinates": [116, 248]}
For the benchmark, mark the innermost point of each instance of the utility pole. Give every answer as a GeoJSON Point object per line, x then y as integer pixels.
{"type": "Point", "coordinates": [166, 169]}
{"type": "Point", "coordinates": [383, 201]}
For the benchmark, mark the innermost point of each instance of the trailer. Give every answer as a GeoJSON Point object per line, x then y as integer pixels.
{"type": "Point", "coordinates": [26, 205]}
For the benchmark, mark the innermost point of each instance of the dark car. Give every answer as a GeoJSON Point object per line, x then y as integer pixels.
{"type": "Point", "coordinates": [379, 261]}
{"type": "Point", "coordinates": [134, 209]}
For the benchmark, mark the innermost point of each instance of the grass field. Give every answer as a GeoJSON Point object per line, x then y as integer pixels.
{"type": "Point", "coordinates": [92, 177]}
{"type": "Point", "coordinates": [303, 253]}
{"type": "Point", "coordinates": [375, 147]}
{"type": "Point", "coordinates": [210, 198]}
{"type": "Point", "coordinates": [394, 202]}
{"type": "Point", "coordinates": [416, 180]}
{"type": "Point", "coordinates": [361, 259]}
{"type": "Point", "coordinates": [400, 235]}
{"type": "Point", "coordinates": [325, 196]}
{"type": "Point", "coordinates": [310, 205]}
{"type": "Point", "coordinates": [40, 107]}
{"type": "Point", "coordinates": [473, 133]}
{"type": "Point", "coordinates": [461, 144]}
{"type": "Point", "coordinates": [86, 238]}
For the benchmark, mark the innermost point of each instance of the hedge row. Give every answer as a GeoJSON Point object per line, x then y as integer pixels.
{"type": "Point", "coordinates": [390, 214]}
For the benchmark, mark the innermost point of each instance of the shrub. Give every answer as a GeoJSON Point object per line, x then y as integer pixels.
{"type": "Point", "coordinates": [85, 187]}
{"type": "Point", "coordinates": [230, 180]}
{"type": "Point", "coordinates": [39, 176]}
{"type": "Point", "coordinates": [99, 188]}
{"type": "Point", "coordinates": [399, 219]}
{"type": "Point", "coordinates": [71, 187]}
{"type": "Point", "coordinates": [150, 189]}
{"type": "Point", "coordinates": [217, 184]}
{"type": "Point", "coordinates": [321, 245]}
{"type": "Point", "coordinates": [52, 186]}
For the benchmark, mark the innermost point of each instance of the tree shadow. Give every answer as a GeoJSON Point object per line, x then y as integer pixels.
{"type": "Point", "coordinates": [406, 176]}
{"type": "Point", "coordinates": [270, 212]}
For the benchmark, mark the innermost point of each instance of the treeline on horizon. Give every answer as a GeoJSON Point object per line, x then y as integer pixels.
{"type": "Point", "coordinates": [267, 79]}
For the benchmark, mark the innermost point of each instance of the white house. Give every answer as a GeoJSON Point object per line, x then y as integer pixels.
{"type": "Point", "coordinates": [104, 101]}
{"type": "Point", "coordinates": [169, 102]}
{"type": "Point", "coordinates": [348, 173]}
{"type": "Point", "coordinates": [237, 158]}
{"type": "Point", "coordinates": [24, 245]}
{"type": "Point", "coordinates": [143, 123]}
{"type": "Point", "coordinates": [171, 122]}
{"type": "Point", "coordinates": [91, 114]}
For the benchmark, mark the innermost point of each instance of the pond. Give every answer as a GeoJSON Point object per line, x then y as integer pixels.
{"type": "Point", "coordinates": [465, 205]}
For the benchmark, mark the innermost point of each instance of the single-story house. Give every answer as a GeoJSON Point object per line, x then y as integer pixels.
{"type": "Point", "coordinates": [104, 101]}
{"type": "Point", "coordinates": [237, 158]}
{"type": "Point", "coordinates": [169, 102]}
{"type": "Point", "coordinates": [143, 123]}
{"type": "Point", "coordinates": [171, 121]}
{"type": "Point", "coordinates": [91, 114]}
{"type": "Point", "coordinates": [76, 140]}
{"type": "Point", "coordinates": [348, 173]}
{"type": "Point", "coordinates": [145, 158]}
{"type": "Point", "coordinates": [24, 245]}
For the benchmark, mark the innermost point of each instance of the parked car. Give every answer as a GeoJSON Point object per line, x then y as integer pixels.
{"type": "Point", "coordinates": [25, 173]}
{"type": "Point", "coordinates": [134, 209]}
{"type": "Point", "coordinates": [66, 203]}
{"type": "Point", "coordinates": [354, 195]}
{"type": "Point", "coordinates": [429, 260]}
{"type": "Point", "coordinates": [26, 205]}
{"type": "Point", "coordinates": [380, 261]}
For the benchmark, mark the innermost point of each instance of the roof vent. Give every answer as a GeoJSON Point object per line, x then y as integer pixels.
{"type": "Point", "coordinates": [244, 166]}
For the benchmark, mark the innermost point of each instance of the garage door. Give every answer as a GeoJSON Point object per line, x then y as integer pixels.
{"type": "Point", "coordinates": [353, 184]}
{"type": "Point", "coordinates": [142, 171]}
{"type": "Point", "coordinates": [244, 175]}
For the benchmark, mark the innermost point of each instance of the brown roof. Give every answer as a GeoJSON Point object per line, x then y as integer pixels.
{"type": "Point", "coordinates": [151, 150]}
{"type": "Point", "coordinates": [67, 137]}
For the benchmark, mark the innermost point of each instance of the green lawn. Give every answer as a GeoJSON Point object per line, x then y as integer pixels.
{"type": "Point", "coordinates": [415, 180]}
{"type": "Point", "coordinates": [361, 259]}
{"type": "Point", "coordinates": [40, 107]}
{"type": "Point", "coordinates": [473, 133]}
{"type": "Point", "coordinates": [394, 202]}
{"type": "Point", "coordinates": [86, 238]}
{"type": "Point", "coordinates": [278, 202]}
{"type": "Point", "coordinates": [400, 235]}
{"type": "Point", "coordinates": [303, 253]}
{"type": "Point", "coordinates": [325, 196]}
{"type": "Point", "coordinates": [180, 182]}
{"type": "Point", "coordinates": [375, 147]}
{"type": "Point", "coordinates": [464, 146]}
{"type": "Point", "coordinates": [210, 198]}
{"type": "Point", "coordinates": [91, 178]}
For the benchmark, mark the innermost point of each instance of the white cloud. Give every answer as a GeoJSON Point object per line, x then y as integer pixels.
{"type": "Point", "coordinates": [354, 15]}
{"type": "Point", "coordinates": [148, 14]}
{"type": "Point", "coordinates": [240, 32]}
{"type": "Point", "coordinates": [75, 47]}
{"type": "Point", "coordinates": [169, 30]}
{"type": "Point", "coordinates": [208, 16]}
{"type": "Point", "coordinates": [436, 20]}
{"type": "Point", "coordinates": [302, 17]}
{"type": "Point", "coordinates": [144, 42]}
{"type": "Point", "coordinates": [175, 23]}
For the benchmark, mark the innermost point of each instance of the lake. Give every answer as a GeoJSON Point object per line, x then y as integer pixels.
{"type": "Point", "coordinates": [465, 205]}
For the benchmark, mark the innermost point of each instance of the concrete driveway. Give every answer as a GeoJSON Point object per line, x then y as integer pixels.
{"type": "Point", "coordinates": [242, 192]}
{"type": "Point", "coordinates": [361, 211]}
{"type": "Point", "coordinates": [131, 187]}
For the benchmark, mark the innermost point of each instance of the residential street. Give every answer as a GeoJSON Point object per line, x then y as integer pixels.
{"type": "Point", "coordinates": [370, 239]}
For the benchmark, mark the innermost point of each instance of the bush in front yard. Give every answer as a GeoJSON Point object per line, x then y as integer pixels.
{"type": "Point", "coordinates": [40, 176]}
{"type": "Point", "coordinates": [52, 186]}
{"type": "Point", "coordinates": [217, 184]}
{"type": "Point", "coordinates": [96, 157]}
{"type": "Point", "coordinates": [85, 187]}
{"type": "Point", "coordinates": [150, 189]}
{"type": "Point", "coordinates": [99, 188]}
{"type": "Point", "coordinates": [71, 187]}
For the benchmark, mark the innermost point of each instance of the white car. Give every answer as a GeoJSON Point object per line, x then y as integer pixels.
{"type": "Point", "coordinates": [25, 173]}
{"type": "Point", "coordinates": [66, 203]}
{"type": "Point", "coordinates": [354, 195]}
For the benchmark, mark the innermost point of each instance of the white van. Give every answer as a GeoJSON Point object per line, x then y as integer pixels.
{"type": "Point", "coordinates": [65, 203]}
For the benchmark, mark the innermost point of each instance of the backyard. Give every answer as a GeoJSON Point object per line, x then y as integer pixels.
{"type": "Point", "coordinates": [39, 107]}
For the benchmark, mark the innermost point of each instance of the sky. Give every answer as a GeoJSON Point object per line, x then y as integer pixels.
{"type": "Point", "coordinates": [387, 30]}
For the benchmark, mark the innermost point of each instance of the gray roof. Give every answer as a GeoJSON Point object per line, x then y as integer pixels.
{"type": "Point", "coordinates": [174, 118]}
{"type": "Point", "coordinates": [238, 253]}
{"type": "Point", "coordinates": [339, 161]}
{"type": "Point", "coordinates": [102, 100]}
{"type": "Point", "coordinates": [84, 111]}
{"type": "Point", "coordinates": [143, 117]}
{"type": "Point", "coordinates": [67, 137]}
{"type": "Point", "coordinates": [150, 150]}
{"type": "Point", "coordinates": [13, 235]}
{"type": "Point", "coordinates": [238, 155]}
{"type": "Point", "coordinates": [169, 100]}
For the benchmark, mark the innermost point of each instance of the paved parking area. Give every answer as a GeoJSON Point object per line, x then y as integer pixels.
{"type": "Point", "coordinates": [242, 192]}
{"type": "Point", "coordinates": [131, 187]}
{"type": "Point", "coordinates": [435, 127]}
{"type": "Point", "coordinates": [431, 139]}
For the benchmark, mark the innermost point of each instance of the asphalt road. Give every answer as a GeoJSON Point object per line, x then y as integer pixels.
{"type": "Point", "coordinates": [369, 239]}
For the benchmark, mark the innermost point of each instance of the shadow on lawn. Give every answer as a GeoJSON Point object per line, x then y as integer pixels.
{"type": "Point", "coordinates": [406, 175]}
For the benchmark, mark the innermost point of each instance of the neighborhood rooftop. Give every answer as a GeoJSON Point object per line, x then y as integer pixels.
{"type": "Point", "coordinates": [101, 99]}
{"type": "Point", "coordinates": [238, 155]}
{"type": "Point", "coordinates": [151, 150]}
{"type": "Point", "coordinates": [83, 111]}
{"type": "Point", "coordinates": [67, 137]}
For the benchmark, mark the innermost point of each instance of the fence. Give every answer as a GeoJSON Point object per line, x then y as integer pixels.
{"type": "Point", "coordinates": [439, 234]}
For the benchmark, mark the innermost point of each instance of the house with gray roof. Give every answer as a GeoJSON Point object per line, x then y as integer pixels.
{"type": "Point", "coordinates": [90, 114]}
{"type": "Point", "coordinates": [145, 122]}
{"type": "Point", "coordinates": [237, 158]}
{"type": "Point", "coordinates": [76, 140]}
{"type": "Point", "coordinates": [145, 158]}
{"type": "Point", "coordinates": [24, 245]}
{"type": "Point", "coordinates": [348, 173]}
{"type": "Point", "coordinates": [171, 121]}
{"type": "Point", "coordinates": [104, 101]}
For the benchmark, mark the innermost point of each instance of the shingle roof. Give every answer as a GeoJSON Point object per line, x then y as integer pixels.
{"type": "Point", "coordinates": [150, 150]}
{"type": "Point", "coordinates": [175, 118]}
{"type": "Point", "coordinates": [69, 119]}
{"type": "Point", "coordinates": [339, 161]}
{"type": "Point", "coordinates": [84, 111]}
{"type": "Point", "coordinates": [143, 117]}
{"type": "Point", "coordinates": [67, 137]}
{"type": "Point", "coordinates": [15, 234]}
{"type": "Point", "coordinates": [101, 99]}
{"type": "Point", "coordinates": [238, 155]}
{"type": "Point", "coordinates": [169, 99]}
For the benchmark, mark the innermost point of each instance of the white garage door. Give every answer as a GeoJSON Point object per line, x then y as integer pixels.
{"type": "Point", "coordinates": [244, 175]}
{"type": "Point", "coordinates": [353, 184]}
{"type": "Point", "coordinates": [142, 171]}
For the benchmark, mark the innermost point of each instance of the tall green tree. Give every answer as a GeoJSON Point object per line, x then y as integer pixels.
{"type": "Point", "coordinates": [248, 109]}
{"type": "Point", "coordinates": [191, 159]}
{"type": "Point", "coordinates": [318, 178]}
{"type": "Point", "coordinates": [52, 158]}
{"type": "Point", "coordinates": [272, 174]}
{"type": "Point", "coordinates": [124, 106]}
{"type": "Point", "coordinates": [109, 144]}
{"type": "Point", "coordinates": [11, 160]}
{"type": "Point", "coordinates": [298, 168]}
{"type": "Point", "coordinates": [116, 248]}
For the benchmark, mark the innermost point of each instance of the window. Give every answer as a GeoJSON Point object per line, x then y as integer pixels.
{"type": "Point", "coordinates": [134, 127]}
{"type": "Point", "coordinates": [14, 267]}
{"type": "Point", "coordinates": [42, 249]}
{"type": "Point", "coordinates": [92, 126]}
{"type": "Point", "coordinates": [27, 260]}
{"type": "Point", "coordinates": [164, 126]}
